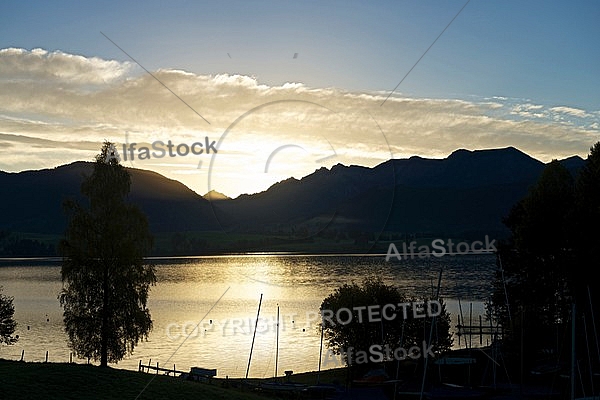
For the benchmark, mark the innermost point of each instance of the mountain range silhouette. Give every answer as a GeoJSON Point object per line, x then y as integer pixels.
{"type": "Point", "coordinates": [465, 194]}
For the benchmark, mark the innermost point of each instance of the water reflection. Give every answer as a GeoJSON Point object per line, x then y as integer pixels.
{"type": "Point", "coordinates": [188, 287]}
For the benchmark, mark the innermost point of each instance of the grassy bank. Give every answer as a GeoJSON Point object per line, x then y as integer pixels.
{"type": "Point", "coordinates": [33, 380]}
{"type": "Point", "coordinates": [22, 380]}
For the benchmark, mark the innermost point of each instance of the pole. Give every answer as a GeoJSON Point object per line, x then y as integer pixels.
{"type": "Point", "coordinates": [481, 332]}
{"type": "Point", "coordinates": [593, 320]}
{"type": "Point", "coordinates": [430, 337]}
{"type": "Point", "coordinates": [470, 325]}
{"type": "Point", "coordinates": [254, 336]}
{"type": "Point", "coordinates": [572, 352]}
{"type": "Point", "coordinates": [587, 345]}
{"type": "Point", "coordinates": [470, 340]}
{"type": "Point", "coordinates": [277, 349]}
{"type": "Point", "coordinates": [320, 355]}
{"type": "Point", "coordinates": [505, 292]}
{"type": "Point", "coordinates": [462, 321]}
{"type": "Point", "coordinates": [522, 346]}
{"type": "Point", "coordinates": [398, 362]}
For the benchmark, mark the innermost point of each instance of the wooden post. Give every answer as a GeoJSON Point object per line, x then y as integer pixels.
{"type": "Point", "coordinates": [157, 368]}
{"type": "Point", "coordinates": [140, 366]}
{"type": "Point", "coordinates": [470, 325]}
{"type": "Point", "coordinates": [480, 331]}
{"type": "Point", "coordinates": [22, 354]}
{"type": "Point", "coordinates": [458, 326]}
{"type": "Point", "coordinates": [46, 355]}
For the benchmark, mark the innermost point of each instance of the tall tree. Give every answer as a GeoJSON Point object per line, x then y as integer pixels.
{"type": "Point", "coordinates": [106, 280]}
{"type": "Point", "coordinates": [535, 262]}
{"type": "Point", "coordinates": [545, 265]}
{"type": "Point", "coordinates": [7, 322]}
{"type": "Point", "coordinates": [586, 230]}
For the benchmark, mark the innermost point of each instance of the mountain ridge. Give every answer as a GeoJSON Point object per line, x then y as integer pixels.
{"type": "Point", "coordinates": [466, 192]}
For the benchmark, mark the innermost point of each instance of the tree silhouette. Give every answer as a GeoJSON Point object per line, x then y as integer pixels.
{"type": "Point", "coordinates": [545, 265]}
{"type": "Point", "coordinates": [7, 322]}
{"type": "Point", "coordinates": [106, 282]}
{"type": "Point", "coordinates": [397, 332]}
{"type": "Point", "coordinates": [586, 229]}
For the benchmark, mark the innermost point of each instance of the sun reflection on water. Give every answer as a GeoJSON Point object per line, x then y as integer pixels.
{"type": "Point", "coordinates": [188, 287]}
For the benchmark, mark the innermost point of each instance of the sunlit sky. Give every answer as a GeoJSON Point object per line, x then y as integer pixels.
{"type": "Point", "coordinates": [285, 88]}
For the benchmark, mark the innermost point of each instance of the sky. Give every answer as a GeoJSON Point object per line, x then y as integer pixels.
{"type": "Point", "coordinates": [273, 90]}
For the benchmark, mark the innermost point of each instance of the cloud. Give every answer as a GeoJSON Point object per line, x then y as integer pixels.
{"type": "Point", "coordinates": [570, 110]}
{"type": "Point", "coordinates": [57, 107]}
{"type": "Point", "coordinates": [57, 67]}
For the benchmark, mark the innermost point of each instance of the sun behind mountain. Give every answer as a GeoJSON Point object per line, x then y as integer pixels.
{"type": "Point", "coordinates": [213, 195]}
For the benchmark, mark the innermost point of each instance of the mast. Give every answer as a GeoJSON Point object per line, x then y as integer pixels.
{"type": "Point", "coordinates": [573, 351]}
{"type": "Point", "coordinates": [430, 337]}
{"type": "Point", "coordinates": [254, 336]}
{"type": "Point", "coordinates": [320, 356]}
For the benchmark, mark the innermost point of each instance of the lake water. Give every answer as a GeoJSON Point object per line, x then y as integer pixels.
{"type": "Point", "coordinates": [225, 291]}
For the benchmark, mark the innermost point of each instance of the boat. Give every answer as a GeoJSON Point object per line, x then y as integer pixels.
{"type": "Point", "coordinates": [453, 391]}
{"type": "Point", "coordinates": [547, 369]}
{"type": "Point", "coordinates": [282, 387]}
{"type": "Point", "coordinates": [455, 361]}
{"type": "Point", "coordinates": [321, 391]}
{"type": "Point", "coordinates": [374, 377]}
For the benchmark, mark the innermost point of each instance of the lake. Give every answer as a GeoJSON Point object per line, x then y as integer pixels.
{"type": "Point", "coordinates": [225, 291]}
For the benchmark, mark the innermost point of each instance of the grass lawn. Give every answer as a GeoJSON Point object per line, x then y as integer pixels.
{"type": "Point", "coordinates": [22, 380]}
{"type": "Point", "coordinates": [38, 380]}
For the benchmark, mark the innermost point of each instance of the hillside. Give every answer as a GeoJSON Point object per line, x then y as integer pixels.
{"type": "Point", "coordinates": [32, 200]}
{"type": "Point", "coordinates": [466, 193]}
{"type": "Point", "coordinates": [469, 191]}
